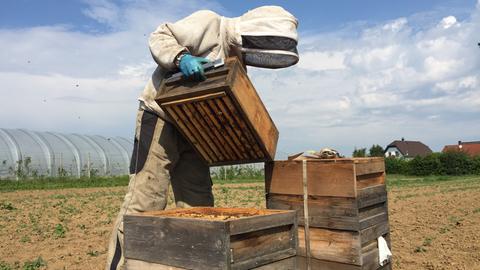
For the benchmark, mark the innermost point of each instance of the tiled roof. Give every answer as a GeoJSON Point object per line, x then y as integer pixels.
{"type": "Point", "coordinates": [411, 148]}
{"type": "Point", "coordinates": [471, 148]}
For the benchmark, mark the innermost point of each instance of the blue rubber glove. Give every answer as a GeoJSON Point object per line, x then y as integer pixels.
{"type": "Point", "coordinates": [192, 66]}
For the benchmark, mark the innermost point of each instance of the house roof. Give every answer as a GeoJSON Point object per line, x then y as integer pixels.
{"type": "Point", "coordinates": [410, 148]}
{"type": "Point", "coordinates": [471, 148]}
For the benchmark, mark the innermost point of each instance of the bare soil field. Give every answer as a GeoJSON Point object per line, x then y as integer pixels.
{"type": "Point", "coordinates": [434, 226]}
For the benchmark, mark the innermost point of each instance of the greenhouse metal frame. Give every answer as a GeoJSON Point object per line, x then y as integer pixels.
{"type": "Point", "coordinates": [27, 154]}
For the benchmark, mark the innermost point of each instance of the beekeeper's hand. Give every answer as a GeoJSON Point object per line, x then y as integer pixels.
{"type": "Point", "coordinates": [192, 66]}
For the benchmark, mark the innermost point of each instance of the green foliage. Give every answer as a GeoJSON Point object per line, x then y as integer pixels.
{"type": "Point", "coordinates": [234, 174]}
{"type": "Point", "coordinates": [397, 180]}
{"type": "Point", "coordinates": [449, 163]}
{"type": "Point", "coordinates": [35, 264]}
{"type": "Point", "coordinates": [25, 239]}
{"type": "Point", "coordinates": [59, 231]}
{"type": "Point", "coordinates": [376, 151]}
{"type": "Point", "coordinates": [244, 172]}
{"type": "Point", "coordinates": [429, 165]}
{"type": "Point", "coordinates": [7, 206]}
{"type": "Point", "coordinates": [5, 266]}
{"type": "Point", "coordinates": [34, 220]}
{"type": "Point", "coordinates": [61, 172]}
{"type": "Point", "coordinates": [63, 182]}
{"type": "Point", "coordinates": [428, 241]}
{"type": "Point", "coordinates": [455, 220]}
{"type": "Point", "coordinates": [396, 165]}
{"type": "Point", "coordinates": [93, 253]}
{"type": "Point", "coordinates": [362, 152]}
{"type": "Point", "coordinates": [23, 170]}
{"type": "Point", "coordinates": [456, 163]}
{"type": "Point", "coordinates": [476, 165]}
{"type": "Point", "coordinates": [420, 249]}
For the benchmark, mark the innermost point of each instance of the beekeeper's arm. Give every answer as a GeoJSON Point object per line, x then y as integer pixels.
{"type": "Point", "coordinates": [196, 34]}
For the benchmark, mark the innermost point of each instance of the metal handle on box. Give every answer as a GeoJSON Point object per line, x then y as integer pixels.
{"type": "Point", "coordinates": [208, 66]}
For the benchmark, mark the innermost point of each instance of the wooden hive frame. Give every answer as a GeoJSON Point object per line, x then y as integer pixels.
{"type": "Point", "coordinates": [223, 117]}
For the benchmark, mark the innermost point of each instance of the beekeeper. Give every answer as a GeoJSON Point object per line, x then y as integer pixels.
{"type": "Point", "coordinates": [263, 37]}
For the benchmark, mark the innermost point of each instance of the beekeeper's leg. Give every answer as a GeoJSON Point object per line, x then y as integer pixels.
{"type": "Point", "coordinates": [153, 154]}
{"type": "Point", "coordinates": [190, 178]}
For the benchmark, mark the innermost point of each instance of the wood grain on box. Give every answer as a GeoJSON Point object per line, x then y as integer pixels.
{"type": "Point", "coordinates": [223, 117]}
{"type": "Point", "coordinates": [347, 205]}
{"type": "Point", "coordinates": [191, 239]}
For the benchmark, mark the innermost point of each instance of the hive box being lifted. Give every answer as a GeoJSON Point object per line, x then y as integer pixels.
{"type": "Point", "coordinates": [210, 238]}
{"type": "Point", "coordinates": [222, 117]}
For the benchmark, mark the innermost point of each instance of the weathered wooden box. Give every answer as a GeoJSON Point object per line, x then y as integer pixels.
{"type": "Point", "coordinates": [354, 248]}
{"type": "Point", "coordinates": [211, 238]}
{"type": "Point", "coordinates": [222, 117]}
{"type": "Point", "coordinates": [344, 194]}
{"type": "Point", "coordinates": [291, 263]}
{"type": "Point", "coordinates": [347, 205]}
{"type": "Point", "coordinates": [283, 264]}
{"type": "Point", "coordinates": [302, 263]}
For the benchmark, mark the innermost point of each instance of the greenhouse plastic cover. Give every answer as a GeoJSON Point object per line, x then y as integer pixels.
{"type": "Point", "coordinates": [28, 153]}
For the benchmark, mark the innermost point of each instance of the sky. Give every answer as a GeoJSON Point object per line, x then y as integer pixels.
{"type": "Point", "coordinates": [370, 72]}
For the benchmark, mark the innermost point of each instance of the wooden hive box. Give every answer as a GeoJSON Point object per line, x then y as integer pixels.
{"type": "Point", "coordinates": [301, 264]}
{"type": "Point", "coordinates": [347, 205]}
{"type": "Point", "coordinates": [283, 264]}
{"type": "Point", "coordinates": [210, 238]}
{"type": "Point", "coordinates": [291, 263]}
{"type": "Point", "coordinates": [222, 117]}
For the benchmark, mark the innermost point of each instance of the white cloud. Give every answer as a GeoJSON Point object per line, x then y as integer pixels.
{"type": "Point", "coordinates": [140, 70]}
{"type": "Point", "coordinates": [395, 25]}
{"type": "Point", "coordinates": [436, 69]}
{"type": "Point", "coordinates": [57, 78]}
{"type": "Point", "coordinates": [354, 87]}
{"type": "Point", "coordinates": [460, 84]}
{"type": "Point", "coordinates": [322, 60]}
{"type": "Point", "coordinates": [448, 22]}
{"type": "Point", "coordinates": [419, 82]}
{"type": "Point", "coordinates": [103, 11]}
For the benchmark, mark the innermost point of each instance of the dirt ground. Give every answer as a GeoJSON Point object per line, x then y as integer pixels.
{"type": "Point", "coordinates": [432, 227]}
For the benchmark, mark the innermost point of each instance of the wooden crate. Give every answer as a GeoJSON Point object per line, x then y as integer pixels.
{"type": "Point", "coordinates": [341, 213]}
{"type": "Point", "coordinates": [347, 205]}
{"type": "Point", "coordinates": [291, 263]}
{"type": "Point", "coordinates": [355, 248]}
{"type": "Point", "coordinates": [342, 177]}
{"type": "Point", "coordinates": [211, 238]}
{"type": "Point", "coordinates": [283, 264]}
{"type": "Point", "coordinates": [222, 117]}
{"type": "Point", "coordinates": [301, 263]}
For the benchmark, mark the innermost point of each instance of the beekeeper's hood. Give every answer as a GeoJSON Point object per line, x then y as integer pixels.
{"type": "Point", "coordinates": [266, 37]}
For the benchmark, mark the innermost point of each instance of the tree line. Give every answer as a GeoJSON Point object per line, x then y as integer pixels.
{"type": "Point", "coordinates": [374, 151]}
{"type": "Point", "coordinates": [448, 163]}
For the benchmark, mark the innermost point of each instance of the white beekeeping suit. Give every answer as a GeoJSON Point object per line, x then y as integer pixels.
{"type": "Point", "coordinates": [263, 37]}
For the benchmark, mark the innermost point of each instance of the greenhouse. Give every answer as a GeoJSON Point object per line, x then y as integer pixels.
{"type": "Point", "coordinates": [30, 154]}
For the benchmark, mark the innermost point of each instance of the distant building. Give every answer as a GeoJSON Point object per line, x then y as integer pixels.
{"type": "Point", "coordinates": [470, 148]}
{"type": "Point", "coordinates": [407, 149]}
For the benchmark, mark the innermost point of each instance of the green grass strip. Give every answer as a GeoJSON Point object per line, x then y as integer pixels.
{"type": "Point", "coordinates": [61, 183]}
{"type": "Point", "coordinates": [393, 180]}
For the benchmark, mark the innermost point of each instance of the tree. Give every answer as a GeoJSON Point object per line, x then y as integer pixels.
{"type": "Point", "coordinates": [376, 151]}
{"type": "Point", "coordinates": [362, 152]}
